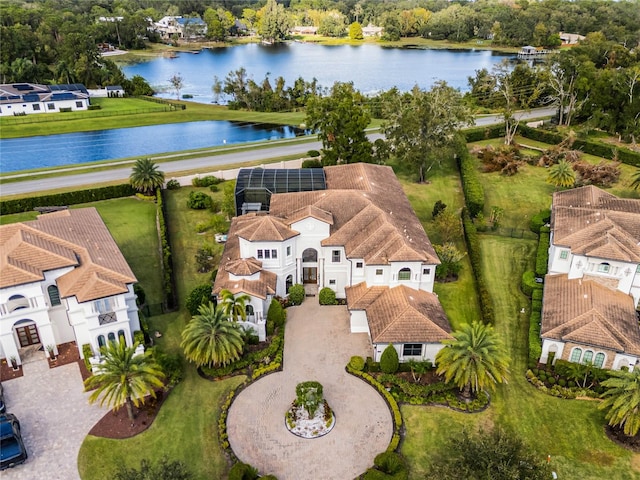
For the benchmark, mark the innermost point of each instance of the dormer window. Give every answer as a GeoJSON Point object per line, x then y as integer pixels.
{"type": "Point", "coordinates": [404, 274]}
{"type": "Point", "coordinates": [564, 254]}
{"type": "Point", "coordinates": [604, 267]}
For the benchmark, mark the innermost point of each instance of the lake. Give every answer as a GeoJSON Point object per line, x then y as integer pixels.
{"type": "Point", "coordinates": [371, 68]}
{"type": "Point", "coordinates": [82, 147]}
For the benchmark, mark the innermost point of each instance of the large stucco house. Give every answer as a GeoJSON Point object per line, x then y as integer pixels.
{"type": "Point", "coordinates": [63, 279]}
{"type": "Point", "coordinates": [357, 234]}
{"type": "Point", "coordinates": [592, 290]}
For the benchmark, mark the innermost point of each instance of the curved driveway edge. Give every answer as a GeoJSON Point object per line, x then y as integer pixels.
{"type": "Point", "coordinates": [318, 345]}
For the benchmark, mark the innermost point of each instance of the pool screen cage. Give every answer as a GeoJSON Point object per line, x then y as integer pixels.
{"type": "Point", "coordinates": [255, 186]}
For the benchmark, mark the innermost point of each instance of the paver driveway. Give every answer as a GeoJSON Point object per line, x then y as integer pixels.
{"type": "Point", "coordinates": [54, 415]}
{"type": "Point", "coordinates": [318, 345]}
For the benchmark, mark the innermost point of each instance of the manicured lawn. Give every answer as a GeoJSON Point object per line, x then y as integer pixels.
{"type": "Point", "coordinates": [185, 241]}
{"type": "Point", "coordinates": [571, 431]}
{"type": "Point", "coordinates": [87, 121]}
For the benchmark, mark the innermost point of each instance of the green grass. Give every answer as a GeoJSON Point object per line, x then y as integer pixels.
{"type": "Point", "coordinates": [571, 431]}
{"type": "Point", "coordinates": [87, 121]}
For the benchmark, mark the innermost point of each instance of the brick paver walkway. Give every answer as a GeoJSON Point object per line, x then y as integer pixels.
{"type": "Point", "coordinates": [55, 417]}
{"type": "Point", "coordinates": [318, 345]}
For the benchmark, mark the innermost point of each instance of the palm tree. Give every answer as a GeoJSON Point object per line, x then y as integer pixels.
{"type": "Point", "coordinates": [635, 179]}
{"type": "Point", "coordinates": [145, 176]}
{"type": "Point", "coordinates": [233, 306]}
{"type": "Point", "coordinates": [210, 338]}
{"type": "Point", "coordinates": [474, 359]}
{"type": "Point", "coordinates": [124, 378]}
{"type": "Point", "coordinates": [622, 398]}
{"type": "Point", "coordinates": [561, 174]}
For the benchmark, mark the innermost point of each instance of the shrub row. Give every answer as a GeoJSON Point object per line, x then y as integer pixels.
{"type": "Point", "coordinates": [391, 402]}
{"type": "Point", "coordinates": [8, 207]}
{"type": "Point", "coordinates": [167, 257]}
{"type": "Point", "coordinates": [260, 359]}
{"type": "Point", "coordinates": [483, 133]}
{"type": "Point", "coordinates": [539, 220]}
{"type": "Point", "coordinates": [555, 390]}
{"type": "Point", "coordinates": [542, 257]}
{"type": "Point", "coordinates": [471, 185]}
{"type": "Point", "coordinates": [535, 318]}
{"type": "Point", "coordinates": [473, 247]}
{"type": "Point", "coordinates": [592, 147]}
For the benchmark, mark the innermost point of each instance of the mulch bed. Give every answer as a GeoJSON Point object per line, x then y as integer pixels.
{"type": "Point", "coordinates": [616, 435]}
{"type": "Point", "coordinates": [7, 372]}
{"type": "Point", "coordinates": [116, 423]}
{"type": "Point", "coordinates": [67, 353]}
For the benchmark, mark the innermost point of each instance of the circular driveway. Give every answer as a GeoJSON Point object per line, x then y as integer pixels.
{"type": "Point", "coordinates": [318, 345]}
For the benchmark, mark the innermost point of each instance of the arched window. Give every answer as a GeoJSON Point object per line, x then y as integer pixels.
{"type": "Point", "coordinates": [599, 361]}
{"type": "Point", "coordinates": [16, 302]}
{"type": "Point", "coordinates": [288, 283]}
{"type": "Point", "coordinates": [249, 310]}
{"type": "Point", "coordinates": [576, 354]}
{"type": "Point", "coordinates": [112, 337]}
{"type": "Point", "coordinates": [604, 267]}
{"type": "Point", "coordinates": [588, 356]}
{"type": "Point", "coordinates": [101, 341]}
{"type": "Point", "coordinates": [309, 255]}
{"type": "Point", "coordinates": [54, 295]}
{"type": "Point", "coordinates": [404, 274]}
{"type": "Point", "coordinates": [121, 337]}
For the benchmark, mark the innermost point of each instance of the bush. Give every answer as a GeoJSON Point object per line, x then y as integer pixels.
{"type": "Point", "coordinates": [356, 363]}
{"type": "Point", "coordinates": [172, 367]}
{"type": "Point", "coordinates": [313, 153]}
{"type": "Point", "coordinates": [389, 361]}
{"type": "Point", "coordinates": [471, 185]}
{"type": "Point", "coordinates": [138, 337]}
{"type": "Point", "coordinates": [327, 297]}
{"type": "Point", "coordinates": [8, 207]}
{"type": "Point", "coordinates": [243, 471]}
{"type": "Point", "coordinates": [392, 464]}
{"type": "Point", "coordinates": [483, 133]}
{"type": "Point", "coordinates": [140, 294]}
{"type": "Point", "coordinates": [173, 184]}
{"type": "Point", "coordinates": [539, 219]}
{"type": "Point", "coordinates": [312, 163]}
{"type": "Point", "coordinates": [87, 353]}
{"type": "Point", "coordinates": [542, 257]}
{"type": "Point", "coordinates": [438, 208]}
{"type": "Point", "coordinates": [296, 294]}
{"type": "Point", "coordinates": [199, 201]}
{"type": "Point", "coordinates": [94, 107]}
{"type": "Point", "coordinates": [201, 295]}
{"type": "Point", "coordinates": [205, 181]}
{"type": "Point", "coordinates": [275, 315]}
{"type": "Point", "coordinates": [529, 284]}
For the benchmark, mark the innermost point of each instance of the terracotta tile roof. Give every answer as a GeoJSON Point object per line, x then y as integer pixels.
{"type": "Point", "coordinates": [243, 266]}
{"type": "Point", "coordinates": [264, 228]}
{"type": "Point", "coordinates": [587, 312]}
{"type": "Point", "coordinates": [71, 238]}
{"type": "Point", "coordinates": [310, 211]}
{"type": "Point", "coordinates": [265, 285]}
{"type": "Point", "coordinates": [400, 314]}
{"type": "Point", "coordinates": [595, 223]}
{"type": "Point", "coordinates": [372, 216]}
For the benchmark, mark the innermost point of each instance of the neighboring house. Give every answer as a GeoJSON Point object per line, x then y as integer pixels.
{"type": "Point", "coordinates": [372, 31]}
{"type": "Point", "coordinates": [304, 30]}
{"type": "Point", "coordinates": [592, 291]}
{"type": "Point", "coordinates": [358, 236]}
{"type": "Point", "coordinates": [170, 27]}
{"type": "Point", "coordinates": [110, 91]}
{"type": "Point", "coordinates": [570, 38]}
{"type": "Point", "coordinates": [28, 98]}
{"type": "Point", "coordinates": [63, 279]}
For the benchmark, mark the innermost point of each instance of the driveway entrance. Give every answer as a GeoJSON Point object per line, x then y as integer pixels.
{"type": "Point", "coordinates": [317, 350]}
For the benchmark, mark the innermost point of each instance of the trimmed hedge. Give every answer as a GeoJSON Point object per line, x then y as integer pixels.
{"type": "Point", "coordinates": [476, 134]}
{"type": "Point", "coordinates": [473, 247]}
{"type": "Point", "coordinates": [542, 257]}
{"type": "Point", "coordinates": [389, 361]}
{"type": "Point", "coordinates": [587, 146]}
{"type": "Point", "coordinates": [7, 207]}
{"type": "Point", "coordinates": [539, 220]}
{"type": "Point", "coordinates": [471, 185]}
{"type": "Point", "coordinates": [535, 342]}
{"type": "Point", "coordinates": [167, 257]}
{"type": "Point", "coordinates": [529, 284]}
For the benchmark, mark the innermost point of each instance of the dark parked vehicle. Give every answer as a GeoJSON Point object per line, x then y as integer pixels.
{"type": "Point", "coordinates": [12, 451]}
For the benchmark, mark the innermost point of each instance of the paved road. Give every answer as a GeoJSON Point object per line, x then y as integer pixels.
{"type": "Point", "coordinates": [272, 149]}
{"type": "Point", "coordinates": [318, 346]}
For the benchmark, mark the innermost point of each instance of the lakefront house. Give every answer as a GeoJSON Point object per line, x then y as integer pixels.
{"type": "Point", "coordinates": [349, 228]}
{"type": "Point", "coordinates": [63, 279]}
{"type": "Point", "coordinates": [592, 290]}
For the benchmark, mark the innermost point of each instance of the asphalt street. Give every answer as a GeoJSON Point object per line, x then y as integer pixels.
{"type": "Point", "coordinates": [274, 149]}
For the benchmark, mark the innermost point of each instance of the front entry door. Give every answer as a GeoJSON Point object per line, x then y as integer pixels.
{"type": "Point", "coordinates": [309, 275]}
{"type": "Point", "coordinates": [28, 335]}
